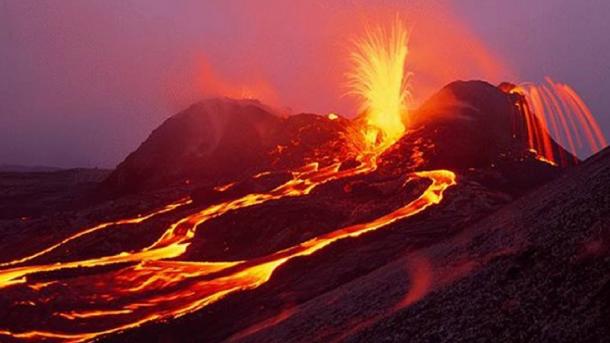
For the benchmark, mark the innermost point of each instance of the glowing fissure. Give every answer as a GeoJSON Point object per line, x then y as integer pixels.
{"type": "Point", "coordinates": [556, 110]}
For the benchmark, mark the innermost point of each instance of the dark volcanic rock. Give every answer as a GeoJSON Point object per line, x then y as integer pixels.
{"type": "Point", "coordinates": [535, 271]}
{"type": "Point", "coordinates": [221, 140]}
{"type": "Point", "coordinates": [32, 194]}
{"type": "Point", "coordinates": [467, 124]}
{"type": "Point", "coordinates": [218, 138]}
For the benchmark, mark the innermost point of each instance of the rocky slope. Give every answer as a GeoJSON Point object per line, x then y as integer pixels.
{"type": "Point", "coordinates": [535, 270]}
{"type": "Point", "coordinates": [221, 140]}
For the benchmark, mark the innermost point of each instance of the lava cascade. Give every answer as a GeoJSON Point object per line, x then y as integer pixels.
{"type": "Point", "coordinates": [555, 110]}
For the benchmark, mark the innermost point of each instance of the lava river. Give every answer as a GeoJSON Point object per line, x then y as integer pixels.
{"type": "Point", "coordinates": [153, 284]}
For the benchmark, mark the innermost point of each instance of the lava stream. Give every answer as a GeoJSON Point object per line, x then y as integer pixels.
{"type": "Point", "coordinates": [155, 289]}
{"type": "Point", "coordinates": [555, 110]}
{"type": "Point", "coordinates": [176, 238]}
{"type": "Point", "coordinates": [136, 220]}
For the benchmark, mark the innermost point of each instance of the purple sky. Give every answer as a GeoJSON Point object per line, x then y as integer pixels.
{"type": "Point", "coordinates": [84, 82]}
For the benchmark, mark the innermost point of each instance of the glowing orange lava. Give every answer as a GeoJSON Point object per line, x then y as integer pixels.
{"type": "Point", "coordinates": [556, 110]}
{"type": "Point", "coordinates": [135, 220]}
{"type": "Point", "coordinates": [141, 293]}
{"type": "Point", "coordinates": [379, 79]}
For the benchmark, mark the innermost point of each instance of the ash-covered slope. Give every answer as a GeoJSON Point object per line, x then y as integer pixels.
{"type": "Point", "coordinates": [473, 125]}
{"type": "Point", "coordinates": [534, 271]}
{"type": "Point", "coordinates": [545, 277]}
{"type": "Point", "coordinates": [220, 140]}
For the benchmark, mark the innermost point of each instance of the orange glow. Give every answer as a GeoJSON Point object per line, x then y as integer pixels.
{"type": "Point", "coordinates": [283, 315]}
{"type": "Point", "coordinates": [380, 81]}
{"type": "Point", "coordinates": [153, 289]}
{"type": "Point", "coordinates": [224, 187]}
{"type": "Point", "coordinates": [556, 110]}
{"type": "Point", "coordinates": [420, 276]}
{"type": "Point", "coordinates": [135, 220]}
{"type": "Point", "coordinates": [152, 284]}
{"type": "Point", "coordinates": [212, 83]}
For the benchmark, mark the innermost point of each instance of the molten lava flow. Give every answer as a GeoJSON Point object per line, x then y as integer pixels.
{"type": "Point", "coordinates": [135, 220]}
{"type": "Point", "coordinates": [154, 289]}
{"type": "Point", "coordinates": [555, 110]}
{"type": "Point", "coordinates": [145, 286]}
{"type": "Point", "coordinates": [176, 238]}
{"type": "Point", "coordinates": [379, 79]}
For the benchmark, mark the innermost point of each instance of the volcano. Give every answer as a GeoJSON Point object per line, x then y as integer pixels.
{"type": "Point", "coordinates": [465, 125]}
{"type": "Point", "coordinates": [232, 222]}
{"type": "Point", "coordinates": [220, 140]}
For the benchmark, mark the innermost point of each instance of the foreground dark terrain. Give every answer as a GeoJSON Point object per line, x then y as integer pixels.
{"type": "Point", "coordinates": [516, 249]}
{"type": "Point", "coordinates": [535, 270]}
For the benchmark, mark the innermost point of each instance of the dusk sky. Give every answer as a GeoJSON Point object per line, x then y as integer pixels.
{"type": "Point", "coordinates": [84, 82]}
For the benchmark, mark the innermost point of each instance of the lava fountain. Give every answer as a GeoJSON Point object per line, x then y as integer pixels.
{"type": "Point", "coordinates": [379, 79]}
